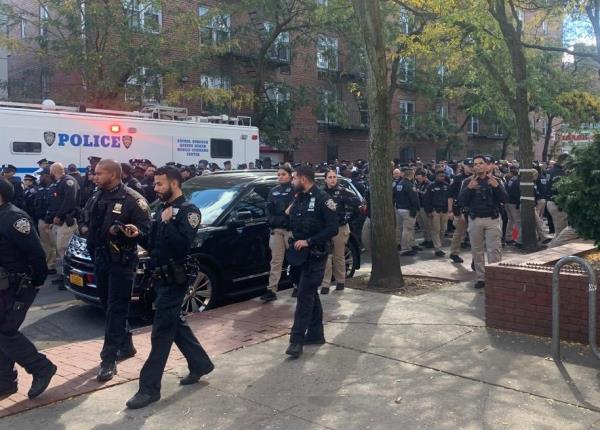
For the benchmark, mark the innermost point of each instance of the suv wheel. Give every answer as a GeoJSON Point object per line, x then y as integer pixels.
{"type": "Point", "coordinates": [200, 294]}
{"type": "Point", "coordinates": [351, 258]}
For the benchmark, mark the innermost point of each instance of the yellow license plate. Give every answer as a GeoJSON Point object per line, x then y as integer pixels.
{"type": "Point", "coordinates": [76, 280]}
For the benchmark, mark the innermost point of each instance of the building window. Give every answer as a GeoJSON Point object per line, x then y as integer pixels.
{"type": "Point", "coordinates": [521, 15]}
{"type": "Point", "coordinates": [407, 114]}
{"type": "Point", "coordinates": [321, 2]}
{"type": "Point", "coordinates": [44, 16]}
{"type": "Point", "coordinates": [23, 28]}
{"type": "Point", "coordinates": [544, 127]}
{"type": "Point", "coordinates": [498, 130]}
{"type": "Point", "coordinates": [545, 28]}
{"type": "Point", "coordinates": [473, 125]}
{"type": "Point", "coordinates": [217, 28]}
{"type": "Point", "coordinates": [278, 97]}
{"type": "Point", "coordinates": [441, 111]}
{"type": "Point", "coordinates": [405, 21]}
{"type": "Point", "coordinates": [326, 105]}
{"type": "Point", "coordinates": [441, 72]}
{"type": "Point", "coordinates": [215, 82]}
{"type": "Point", "coordinates": [327, 53]}
{"type": "Point", "coordinates": [280, 49]}
{"type": "Point", "coordinates": [145, 86]}
{"type": "Point", "coordinates": [143, 15]}
{"type": "Point", "coordinates": [406, 71]}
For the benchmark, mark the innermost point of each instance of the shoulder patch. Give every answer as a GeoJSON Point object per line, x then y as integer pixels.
{"type": "Point", "coordinates": [70, 182]}
{"type": "Point", "coordinates": [331, 204]}
{"type": "Point", "coordinates": [143, 204]}
{"type": "Point", "coordinates": [22, 225]}
{"type": "Point", "coordinates": [193, 219]}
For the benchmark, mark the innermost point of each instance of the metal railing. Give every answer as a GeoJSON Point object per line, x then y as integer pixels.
{"type": "Point", "coordinates": [592, 286]}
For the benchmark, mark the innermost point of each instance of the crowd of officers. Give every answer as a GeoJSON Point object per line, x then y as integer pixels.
{"type": "Point", "coordinates": [310, 228]}
{"type": "Point", "coordinates": [479, 201]}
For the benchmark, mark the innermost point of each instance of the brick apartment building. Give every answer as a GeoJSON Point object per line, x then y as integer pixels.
{"type": "Point", "coordinates": [312, 136]}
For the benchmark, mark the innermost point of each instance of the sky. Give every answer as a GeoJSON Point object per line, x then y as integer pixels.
{"type": "Point", "coordinates": [577, 30]}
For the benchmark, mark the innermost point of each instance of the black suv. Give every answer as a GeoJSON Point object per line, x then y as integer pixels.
{"type": "Point", "coordinates": [230, 256]}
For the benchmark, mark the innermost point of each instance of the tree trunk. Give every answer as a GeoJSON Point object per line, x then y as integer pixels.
{"type": "Point", "coordinates": [505, 146]}
{"type": "Point", "coordinates": [386, 265]}
{"type": "Point", "coordinates": [520, 107]}
{"type": "Point", "coordinates": [547, 137]}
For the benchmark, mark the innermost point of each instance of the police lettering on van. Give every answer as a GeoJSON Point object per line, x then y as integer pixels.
{"type": "Point", "coordinates": [87, 140]}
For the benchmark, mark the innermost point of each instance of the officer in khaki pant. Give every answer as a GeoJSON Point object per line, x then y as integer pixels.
{"type": "Point", "coordinates": [438, 202]}
{"type": "Point", "coordinates": [460, 221]}
{"type": "Point", "coordinates": [278, 201]}
{"type": "Point", "coordinates": [483, 194]}
{"type": "Point", "coordinates": [345, 201]}
{"type": "Point", "coordinates": [61, 215]}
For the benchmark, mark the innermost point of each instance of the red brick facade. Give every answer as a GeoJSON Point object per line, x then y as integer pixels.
{"type": "Point", "coordinates": [313, 141]}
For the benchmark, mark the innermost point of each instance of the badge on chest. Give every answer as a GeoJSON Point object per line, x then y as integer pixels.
{"type": "Point", "coordinates": [117, 208]}
{"type": "Point", "coordinates": [311, 204]}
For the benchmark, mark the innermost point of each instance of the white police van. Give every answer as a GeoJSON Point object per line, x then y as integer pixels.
{"type": "Point", "coordinates": [161, 134]}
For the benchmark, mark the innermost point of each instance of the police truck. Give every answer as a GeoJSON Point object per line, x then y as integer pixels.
{"type": "Point", "coordinates": [159, 133]}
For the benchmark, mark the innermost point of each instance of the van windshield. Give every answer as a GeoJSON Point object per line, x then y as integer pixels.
{"type": "Point", "coordinates": [211, 201]}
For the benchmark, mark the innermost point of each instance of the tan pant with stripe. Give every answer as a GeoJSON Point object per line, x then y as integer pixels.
{"type": "Point", "coordinates": [47, 240]}
{"type": "Point", "coordinates": [439, 224]}
{"type": "Point", "coordinates": [336, 263]}
{"type": "Point", "coordinates": [278, 242]}
{"type": "Point", "coordinates": [485, 235]}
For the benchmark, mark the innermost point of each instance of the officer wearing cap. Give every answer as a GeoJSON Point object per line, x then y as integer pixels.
{"type": "Point", "coordinates": [513, 206]}
{"type": "Point", "coordinates": [129, 180]}
{"type": "Point", "coordinates": [169, 242]}
{"type": "Point", "coordinates": [31, 187]}
{"type": "Point", "coordinates": [346, 202]}
{"type": "Point", "coordinates": [314, 222]}
{"type": "Point", "coordinates": [483, 194]}
{"type": "Point", "coordinates": [22, 271]}
{"type": "Point", "coordinates": [9, 172]}
{"type": "Point", "coordinates": [459, 214]}
{"type": "Point", "coordinates": [114, 252]}
{"type": "Point", "coordinates": [40, 204]}
{"type": "Point", "coordinates": [62, 214]}
{"type": "Point", "coordinates": [406, 200]}
{"type": "Point", "coordinates": [148, 182]}
{"type": "Point", "coordinates": [438, 207]}
{"type": "Point", "coordinates": [278, 201]}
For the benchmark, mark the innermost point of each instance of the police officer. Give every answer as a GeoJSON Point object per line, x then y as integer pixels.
{"type": "Point", "coordinates": [31, 187]}
{"type": "Point", "coordinates": [170, 240]}
{"type": "Point", "coordinates": [422, 182]}
{"type": "Point", "coordinates": [438, 206]}
{"type": "Point", "coordinates": [513, 207]}
{"type": "Point", "coordinates": [278, 201]}
{"type": "Point", "coordinates": [129, 180]}
{"type": "Point", "coordinates": [407, 205]}
{"type": "Point", "coordinates": [22, 271]}
{"type": "Point", "coordinates": [346, 203]}
{"type": "Point", "coordinates": [460, 220]}
{"type": "Point", "coordinates": [40, 204]}
{"type": "Point", "coordinates": [62, 215]}
{"type": "Point", "coordinates": [9, 172]}
{"type": "Point", "coordinates": [483, 194]}
{"type": "Point", "coordinates": [314, 223]}
{"type": "Point", "coordinates": [559, 217]}
{"type": "Point", "coordinates": [148, 183]}
{"type": "Point", "coordinates": [114, 253]}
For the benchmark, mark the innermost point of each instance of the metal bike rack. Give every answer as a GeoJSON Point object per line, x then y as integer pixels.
{"type": "Point", "coordinates": [593, 282]}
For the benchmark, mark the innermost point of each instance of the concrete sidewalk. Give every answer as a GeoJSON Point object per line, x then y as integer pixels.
{"type": "Point", "coordinates": [390, 363]}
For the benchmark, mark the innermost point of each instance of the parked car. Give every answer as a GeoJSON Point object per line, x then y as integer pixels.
{"type": "Point", "coordinates": [230, 256]}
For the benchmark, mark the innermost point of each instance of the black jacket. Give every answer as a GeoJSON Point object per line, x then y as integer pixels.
{"type": "Point", "coordinates": [313, 217]}
{"type": "Point", "coordinates": [172, 241]}
{"type": "Point", "coordinates": [406, 197]}
{"type": "Point", "coordinates": [20, 247]}
{"type": "Point", "coordinates": [346, 202]}
{"type": "Point", "coordinates": [278, 201]}
{"type": "Point", "coordinates": [436, 197]}
{"type": "Point", "coordinates": [64, 199]}
{"type": "Point", "coordinates": [104, 208]}
{"type": "Point", "coordinates": [483, 201]}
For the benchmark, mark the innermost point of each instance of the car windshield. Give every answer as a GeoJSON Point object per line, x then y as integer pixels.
{"type": "Point", "coordinates": [211, 201]}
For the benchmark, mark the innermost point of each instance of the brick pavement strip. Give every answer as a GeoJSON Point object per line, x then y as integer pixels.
{"type": "Point", "coordinates": [220, 331]}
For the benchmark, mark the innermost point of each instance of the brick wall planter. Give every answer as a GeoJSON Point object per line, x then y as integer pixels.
{"type": "Point", "coordinates": [518, 295]}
